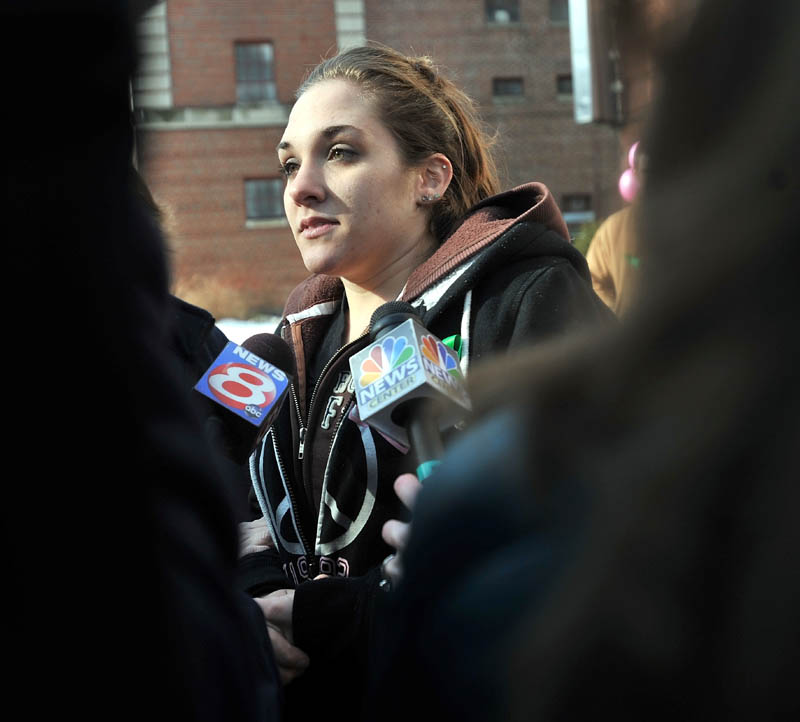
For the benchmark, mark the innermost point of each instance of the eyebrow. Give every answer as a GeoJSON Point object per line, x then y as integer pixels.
{"type": "Point", "coordinates": [329, 132]}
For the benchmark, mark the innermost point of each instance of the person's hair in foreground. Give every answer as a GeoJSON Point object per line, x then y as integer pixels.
{"type": "Point", "coordinates": [684, 602]}
{"type": "Point", "coordinates": [427, 114]}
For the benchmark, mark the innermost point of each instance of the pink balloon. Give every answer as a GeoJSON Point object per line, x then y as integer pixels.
{"type": "Point", "coordinates": [632, 154]}
{"type": "Point", "coordinates": [628, 185]}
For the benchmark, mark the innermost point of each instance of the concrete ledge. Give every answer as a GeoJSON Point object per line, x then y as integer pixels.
{"type": "Point", "coordinates": [267, 223]}
{"type": "Point", "coordinates": [349, 6]}
{"type": "Point", "coordinates": [236, 116]}
{"type": "Point", "coordinates": [572, 217]}
{"type": "Point", "coordinates": [152, 99]}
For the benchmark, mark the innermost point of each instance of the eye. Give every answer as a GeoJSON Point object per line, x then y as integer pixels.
{"type": "Point", "coordinates": [289, 168]}
{"type": "Point", "coordinates": [339, 152]}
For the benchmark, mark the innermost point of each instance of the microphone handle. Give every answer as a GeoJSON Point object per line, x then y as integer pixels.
{"type": "Point", "coordinates": [423, 433]}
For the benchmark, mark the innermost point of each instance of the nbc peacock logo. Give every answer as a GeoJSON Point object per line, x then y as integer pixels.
{"type": "Point", "coordinates": [436, 352]}
{"type": "Point", "coordinates": [384, 358]}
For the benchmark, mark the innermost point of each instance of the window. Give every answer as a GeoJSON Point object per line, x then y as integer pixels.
{"type": "Point", "coordinates": [576, 203]}
{"type": "Point", "coordinates": [577, 210]}
{"type": "Point", "coordinates": [564, 85]}
{"type": "Point", "coordinates": [255, 78]}
{"type": "Point", "coordinates": [502, 12]}
{"type": "Point", "coordinates": [263, 198]}
{"type": "Point", "coordinates": [559, 12]}
{"type": "Point", "coordinates": [507, 87]}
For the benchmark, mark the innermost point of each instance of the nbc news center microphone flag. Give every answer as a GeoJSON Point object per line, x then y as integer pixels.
{"type": "Point", "coordinates": [406, 363]}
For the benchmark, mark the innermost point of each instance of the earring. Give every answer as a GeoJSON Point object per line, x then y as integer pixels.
{"type": "Point", "coordinates": [430, 199]}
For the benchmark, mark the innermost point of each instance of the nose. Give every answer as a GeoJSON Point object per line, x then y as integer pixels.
{"type": "Point", "coordinates": [307, 186]}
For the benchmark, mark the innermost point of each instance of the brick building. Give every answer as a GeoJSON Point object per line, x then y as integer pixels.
{"type": "Point", "coordinates": [216, 84]}
{"type": "Point", "coordinates": [513, 58]}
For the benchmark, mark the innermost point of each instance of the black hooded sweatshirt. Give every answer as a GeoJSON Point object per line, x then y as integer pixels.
{"type": "Point", "coordinates": [505, 278]}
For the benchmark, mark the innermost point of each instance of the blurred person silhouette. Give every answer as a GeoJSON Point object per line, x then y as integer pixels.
{"type": "Point", "coordinates": [613, 255]}
{"type": "Point", "coordinates": [652, 570]}
{"type": "Point", "coordinates": [120, 538]}
{"type": "Point", "coordinates": [638, 32]}
{"type": "Point", "coordinates": [196, 340]}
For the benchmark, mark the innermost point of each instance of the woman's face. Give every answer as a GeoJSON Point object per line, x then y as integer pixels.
{"type": "Point", "coordinates": [350, 198]}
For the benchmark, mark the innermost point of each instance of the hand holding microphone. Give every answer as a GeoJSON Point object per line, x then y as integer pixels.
{"type": "Point", "coordinates": [395, 532]}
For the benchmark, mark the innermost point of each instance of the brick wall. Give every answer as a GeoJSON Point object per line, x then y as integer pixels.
{"type": "Point", "coordinates": [538, 138]}
{"type": "Point", "coordinates": [202, 34]}
{"type": "Point", "coordinates": [198, 174]}
{"type": "Point", "coordinates": [218, 261]}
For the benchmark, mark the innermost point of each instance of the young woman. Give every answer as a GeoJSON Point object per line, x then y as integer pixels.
{"type": "Point", "coordinates": [391, 193]}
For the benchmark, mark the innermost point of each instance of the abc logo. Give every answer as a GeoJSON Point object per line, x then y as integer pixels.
{"type": "Point", "coordinates": [253, 411]}
{"type": "Point", "coordinates": [241, 386]}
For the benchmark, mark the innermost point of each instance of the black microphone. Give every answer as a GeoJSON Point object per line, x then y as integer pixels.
{"type": "Point", "coordinates": [409, 384]}
{"type": "Point", "coordinates": [248, 384]}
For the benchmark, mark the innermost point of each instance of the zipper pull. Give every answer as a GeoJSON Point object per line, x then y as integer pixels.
{"type": "Point", "coordinates": [302, 442]}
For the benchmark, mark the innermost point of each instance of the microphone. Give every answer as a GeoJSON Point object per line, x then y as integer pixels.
{"type": "Point", "coordinates": [409, 385]}
{"type": "Point", "coordinates": [248, 385]}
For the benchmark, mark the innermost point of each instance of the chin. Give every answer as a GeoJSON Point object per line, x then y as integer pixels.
{"type": "Point", "coordinates": [324, 266]}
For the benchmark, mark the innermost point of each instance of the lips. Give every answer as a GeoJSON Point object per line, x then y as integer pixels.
{"type": "Point", "coordinates": [316, 226]}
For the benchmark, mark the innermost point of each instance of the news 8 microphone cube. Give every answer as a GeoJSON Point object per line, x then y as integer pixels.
{"type": "Point", "coordinates": [407, 363]}
{"type": "Point", "coordinates": [245, 385]}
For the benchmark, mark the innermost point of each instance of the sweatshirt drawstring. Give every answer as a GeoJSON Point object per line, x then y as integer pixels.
{"type": "Point", "coordinates": [465, 321]}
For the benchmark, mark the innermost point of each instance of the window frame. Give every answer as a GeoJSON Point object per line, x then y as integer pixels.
{"type": "Point", "coordinates": [267, 83]}
{"type": "Point", "coordinates": [278, 201]}
{"type": "Point", "coordinates": [566, 207]}
{"type": "Point", "coordinates": [560, 95]}
{"type": "Point", "coordinates": [558, 22]}
{"type": "Point", "coordinates": [508, 97]}
{"type": "Point", "coordinates": [488, 7]}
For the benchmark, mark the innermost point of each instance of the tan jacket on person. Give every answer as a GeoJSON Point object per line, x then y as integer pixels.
{"type": "Point", "coordinates": [613, 260]}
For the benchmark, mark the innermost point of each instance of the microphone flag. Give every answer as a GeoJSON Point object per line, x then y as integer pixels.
{"type": "Point", "coordinates": [407, 363]}
{"type": "Point", "coordinates": [243, 383]}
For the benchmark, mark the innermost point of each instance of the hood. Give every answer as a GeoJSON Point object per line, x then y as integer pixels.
{"type": "Point", "coordinates": [486, 222]}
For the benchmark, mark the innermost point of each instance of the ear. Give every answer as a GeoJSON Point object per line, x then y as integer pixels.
{"type": "Point", "coordinates": [435, 174]}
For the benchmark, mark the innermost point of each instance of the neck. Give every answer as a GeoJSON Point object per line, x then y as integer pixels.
{"type": "Point", "coordinates": [361, 304]}
{"type": "Point", "coordinates": [364, 298]}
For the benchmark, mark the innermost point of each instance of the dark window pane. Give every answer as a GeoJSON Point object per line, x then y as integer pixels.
{"type": "Point", "coordinates": [576, 202]}
{"type": "Point", "coordinates": [502, 11]}
{"type": "Point", "coordinates": [564, 84]}
{"type": "Point", "coordinates": [507, 87]}
{"type": "Point", "coordinates": [559, 11]}
{"type": "Point", "coordinates": [263, 198]}
{"type": "Point", "coordinates": [255, 79]}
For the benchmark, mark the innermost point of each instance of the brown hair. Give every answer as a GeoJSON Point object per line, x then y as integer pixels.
{"type": "Point", "coordinates": [427, 114]}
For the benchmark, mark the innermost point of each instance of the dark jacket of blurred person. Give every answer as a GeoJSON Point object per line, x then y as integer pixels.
{"type": "Point", "coordinates": [120, 537]}
{"type": "Point", "coordinates": [617, 538]}
{"type": "Point", "coordinates": [196, 340]}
